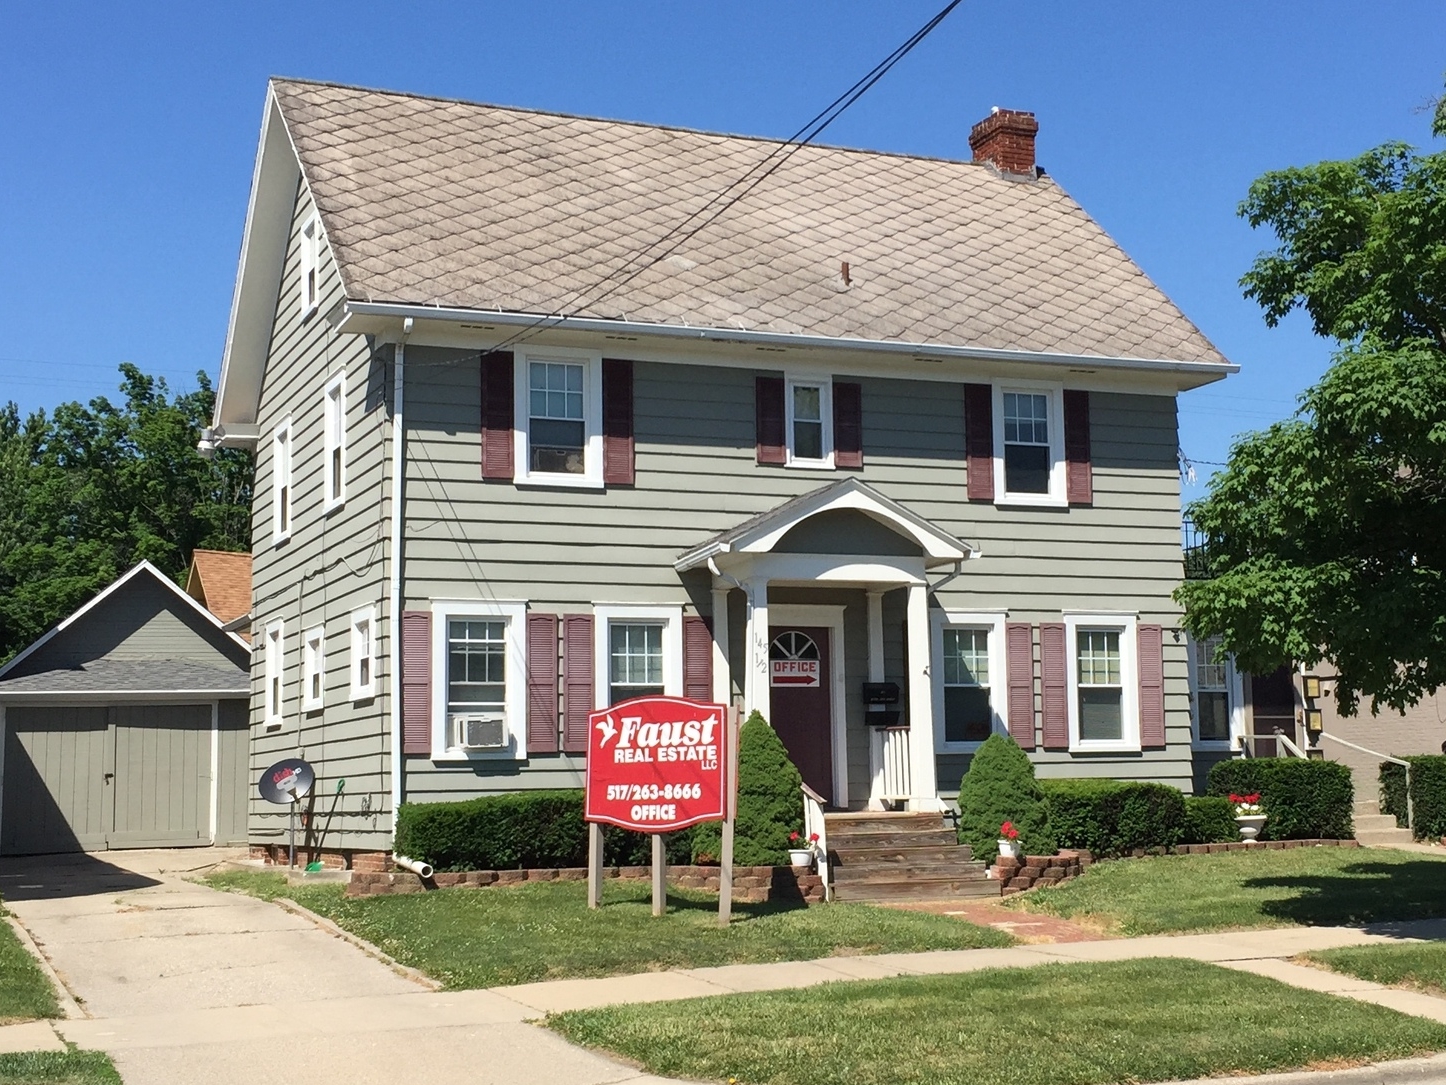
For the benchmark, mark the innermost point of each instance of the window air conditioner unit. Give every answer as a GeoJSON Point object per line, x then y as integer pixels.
{"type": "Point", "coordinates": [479, 732]}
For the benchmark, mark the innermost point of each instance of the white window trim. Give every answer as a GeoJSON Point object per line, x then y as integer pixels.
{"type": "Point", "coordinates": [275, 668]}
{"type": "Point", "coordinates": [824, 384]}
{"type": "Point", "coordinates": [363, 691]}
{"type": "Point", "coordinates": [310, 263]}
{"type": "Point", "coordinates": [1057, 497]}
{"type": "Point", "coordinates": [1127, 626]}
{"type": "Point", "coordinates": [313, 662]}
{"type": "Point", "coordinates": [592, 476]}
{"type": "Point", "coordinates": [333, 438]}
{"type": "Point", "coordinates": [515, 685]}
{"type": "Point", "coordinates": [998, 677]}
{"type": "Point", "coordinates": [1234, 690]}
{"type": "Point", "coordinates": [282, 482]}
{"type": "Point", "coordinates": [671, 618]}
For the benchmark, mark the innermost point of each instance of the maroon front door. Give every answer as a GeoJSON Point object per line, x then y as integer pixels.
{"type": "Point", "coordinates": [798, 677]}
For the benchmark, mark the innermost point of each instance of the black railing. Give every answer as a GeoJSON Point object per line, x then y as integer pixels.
{"type": "Point", "coordinates": [1197, 551]}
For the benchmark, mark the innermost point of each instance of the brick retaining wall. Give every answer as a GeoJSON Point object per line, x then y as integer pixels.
{"type": "Point", "coordinates": [751, 885]}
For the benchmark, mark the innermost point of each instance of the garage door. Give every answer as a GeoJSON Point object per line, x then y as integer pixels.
{"type": "Point", "coordinates": [86, 779]}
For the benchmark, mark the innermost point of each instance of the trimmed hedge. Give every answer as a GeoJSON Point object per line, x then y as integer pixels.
{"type": "Point", "coordinates": [1428, 794]}
{"type": "Point", "coordinates": [522, 831]}
{"type": "Point", "coordinates": [1303, 800]}
{"type": "Point", "coordinates": [999, 787]}
{"type": "Point", "coordinates": [1210, 819]}
{"type": "Point", "coordinates": [770, 802]}
{"type": "Point", "coordinates": [1114, 817]}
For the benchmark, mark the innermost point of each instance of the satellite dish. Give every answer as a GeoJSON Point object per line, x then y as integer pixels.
{"type": "Point", "coordinates": [287, 781]}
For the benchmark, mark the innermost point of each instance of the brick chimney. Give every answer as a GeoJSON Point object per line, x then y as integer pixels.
{"type": "Point", "coordinates": [1005, 139]}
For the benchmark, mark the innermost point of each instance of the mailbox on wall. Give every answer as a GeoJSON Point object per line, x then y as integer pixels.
{"type": "Point", "coordinates": [881, 701]}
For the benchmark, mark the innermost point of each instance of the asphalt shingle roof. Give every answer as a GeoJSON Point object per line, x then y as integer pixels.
{"type": "Point", "coordinates": [133, 675]}
{"type": "Point", "coordinates": [436, 202]}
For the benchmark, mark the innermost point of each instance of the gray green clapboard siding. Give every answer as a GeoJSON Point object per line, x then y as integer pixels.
{"type": "Point", "coordinates": [333, 564]}
{"type": "Point", "coordinates": [233, 771]}
{"type": "Point", "coordinates": [55, 794]}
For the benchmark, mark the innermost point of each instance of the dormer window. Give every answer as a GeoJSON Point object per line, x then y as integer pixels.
{"type": "Point", "coordinates": [310, 265]}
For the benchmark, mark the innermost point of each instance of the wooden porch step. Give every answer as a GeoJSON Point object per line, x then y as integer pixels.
{"type": "Point", "coordinates": [916, 889]}
{"type": "Point", "coordinates": [875, 821]}
{"type": "Point", "coordinates": [907, 853]}
{"type": "Point", "coordinates": [933, 838]}
{"type": "Point", "coordinates": [862, 872]}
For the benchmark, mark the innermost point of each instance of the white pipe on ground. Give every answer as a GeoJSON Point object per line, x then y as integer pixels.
{"type": "Point", "coordinates": [416, 866]}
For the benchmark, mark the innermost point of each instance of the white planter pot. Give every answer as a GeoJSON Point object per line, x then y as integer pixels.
{"type": "Point", "coordinates": [1007, 849]}
{"type": "Point", "coordinates": [801, 858]}
{"type": "Point", "coordinates": [1250, 826]}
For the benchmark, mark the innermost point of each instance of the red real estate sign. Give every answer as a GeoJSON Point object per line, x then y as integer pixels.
{"type": "Point", "coordinates": [656, 764]}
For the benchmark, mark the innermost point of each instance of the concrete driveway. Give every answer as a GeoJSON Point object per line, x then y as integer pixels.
{"type": "Point", "coordinates": [180, 983]}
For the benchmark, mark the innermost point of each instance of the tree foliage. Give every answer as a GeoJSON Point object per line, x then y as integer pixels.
{"type": "Point", "coordinates": [1326, 533]}
{"type": "Point", "coordinates": [87, 491]}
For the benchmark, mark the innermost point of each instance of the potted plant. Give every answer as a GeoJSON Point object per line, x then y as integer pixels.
{"type": "Point", "coordinates": [801, 851]}
{"type": "Point", "coordinates": [1008, 840]}
{"type": "Point", "coordinates": [1248, 815]}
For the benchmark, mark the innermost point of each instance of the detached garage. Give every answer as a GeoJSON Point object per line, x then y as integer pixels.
{"type": "Point", "coordinates": [126, 726]}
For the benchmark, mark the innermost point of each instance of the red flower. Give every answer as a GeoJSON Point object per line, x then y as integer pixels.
{"type": "Point", "coordinates": [793, 838]}
{"type": "Point", "coordinates": [1008, 831]}
{"type": "Point", "coordinates": [813, 838]}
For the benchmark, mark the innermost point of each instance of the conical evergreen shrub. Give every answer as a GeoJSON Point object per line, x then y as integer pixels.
{"type": "Point", "coordinates": [770, 804]}
{"type": "Point", "coordinates": [999, 787]}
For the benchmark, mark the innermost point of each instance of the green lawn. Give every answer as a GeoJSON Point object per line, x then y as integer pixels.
{"type": "Point", "coordinates": [25, 993]}
{"type": "Point", "coordinates": [1410, 964]}
{"type": "Point", "coordinates": [542, 930]}
{"type": "Point", "coordinates": [1058, 1024]}
{"type": "Point", "coordinates": [1260, 888]}
{"type": "Point", "coordinates": [58, 1068]}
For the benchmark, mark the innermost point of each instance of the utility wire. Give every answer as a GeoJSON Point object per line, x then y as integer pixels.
{"type": "Point", "coordinates": [641, 261]}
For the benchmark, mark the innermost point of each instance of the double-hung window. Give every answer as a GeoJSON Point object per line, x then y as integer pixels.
{"type": "Point", "coordinates": [313, 669]}
{"type": "Point", "coordinates": [334, 441]}
{"type": "Point", "coordinates": [275, 672]}
{"type": "Point", "coordinates": [364, 654]}
{"type": "Point", "coordinates": [559, 404]}
{"type": "Point", "coordinates": [1029, 445]}
{"type": "Point", "coordinates": [1212, 681]}
{"type": "Point", "coordinates": [310, 265]}
{"type": "Point", "coordinates": [479, 688]}
{"type": "Point", "coordinates": [810, 423]}
{"type": "Point", "coordinates": [1103, 682]}
{"type": "Point", "coordinates": [969, 669]}
{"type": "Point", "coordinates": [637, 651]}
{"type": "Point", "coordinates": [281, 483]}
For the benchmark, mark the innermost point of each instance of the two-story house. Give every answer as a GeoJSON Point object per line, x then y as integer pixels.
{"type": "Point", "coordinates": [551, 411]}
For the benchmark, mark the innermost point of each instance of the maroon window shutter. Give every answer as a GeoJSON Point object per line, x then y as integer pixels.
{"type": "Point", "coordinates": [1152, 686]}
{"type": "Point", "coordinates": [979, 440]}
{"type": "Point", "coordinates": [617, 407]}
{"type": "Point", "coordinates": [1054, 675]}
{"type": "Point", "coordinates": [577, 679]}
{"type": "Point", "coordinates": [1079, 480]}
{"type": "Point", "coordinates": [1019, 660]}
{"type": "Point", "coordinates": [541, 683]}
{"type": "Point", "coordinates": [497, 404]}
{"type": "Point", "coordinates": [848, 424]}
{"type": "Point", "coordinates": [697, 658]}
{"type": "Point", "coordinates": [416, 681]}
{"type": "Point", "coordinates": [768, 406]}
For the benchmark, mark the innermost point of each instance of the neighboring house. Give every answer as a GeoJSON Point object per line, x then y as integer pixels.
{"type": "Point", "coordinates": [221, 582]}
{"type": "Point", "coordinates": [906, 420]}
{"type": "Point", "coordinates": [125, 727]}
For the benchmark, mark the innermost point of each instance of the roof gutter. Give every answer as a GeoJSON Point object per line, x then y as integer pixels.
{"type": "Point", "coordinates": [397, 311]}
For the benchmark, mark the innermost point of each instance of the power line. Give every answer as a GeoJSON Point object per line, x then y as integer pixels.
{"type": "Point", "coordinates": [730, 195]}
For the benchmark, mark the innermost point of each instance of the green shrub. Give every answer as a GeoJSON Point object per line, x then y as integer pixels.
{"type": "Point", "coordinates": [770, 802]}
{"type": "Point", "coordinates": [520, 831]}
{"type": "Point", "coordinates": [1210, 819]}
{"type": "Point", "coordinates": [999, 787]}
{"type": "Point", "coordinates": [1302, 799]}
{"type": "Point", "coordinates": [1428, 794]}
{"type": "Point", "coordinates": [1114, 817]}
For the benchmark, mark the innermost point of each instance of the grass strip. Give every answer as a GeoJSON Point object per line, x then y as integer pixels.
{"type": "Point", "coordinates": [25, 992]}
{"type": "Point", "coordinates": [1058, 1024]}
{"type": "Point", "coordinates": [1417, 965]}
{"type": "Point", "coordinates": [467, 938]}
{"type": "Point", "coordinates": [1314, 886]}
{"type": "Point", "coordinates": [58, 1068]}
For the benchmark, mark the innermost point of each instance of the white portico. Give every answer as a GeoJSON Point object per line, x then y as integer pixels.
{"type": "Point", "coordinates": [795, 669]}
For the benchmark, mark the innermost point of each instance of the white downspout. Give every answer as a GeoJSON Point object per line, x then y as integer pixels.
{"type": "Point", "coordinates": [394, 608]}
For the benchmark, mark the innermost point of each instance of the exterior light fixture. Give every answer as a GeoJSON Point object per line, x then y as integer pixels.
{"type": "Point", "coordinates": [1311, 684]}
{"type": "Point", "coordinates": [1314, 720]}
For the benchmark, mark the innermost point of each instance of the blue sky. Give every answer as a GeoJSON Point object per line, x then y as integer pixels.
{"type": "Point", "coordinates": [130, 132]}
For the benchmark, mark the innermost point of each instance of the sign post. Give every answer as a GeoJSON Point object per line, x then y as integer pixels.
{"type": "Point", "coordinates": [725, 858]}
{"type": "Point", "coordinates": [654, 765]}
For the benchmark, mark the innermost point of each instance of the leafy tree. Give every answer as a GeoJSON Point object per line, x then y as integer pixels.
{"type": "Point", "coordinates": [88, 491]}
{"type": "Point", "coordinates": [1326, 533]}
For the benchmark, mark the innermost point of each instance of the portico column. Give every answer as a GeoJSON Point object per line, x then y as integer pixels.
{"type": "Point", "coordinates": [923, 783]}
{"type": "Point", "coordinates": [757, 692]}
{"type": "Point", "coordinates": [875, 614]}
{"type": "Point", "coordinates": [722, 678]}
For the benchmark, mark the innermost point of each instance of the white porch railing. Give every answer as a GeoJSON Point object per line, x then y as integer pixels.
{"type": "Point", "coordinates": [813, 823]}
{"type": "Point", "coordinates": [889, 754]}
{"type": "Point", "coordinates": [1410, 810]}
